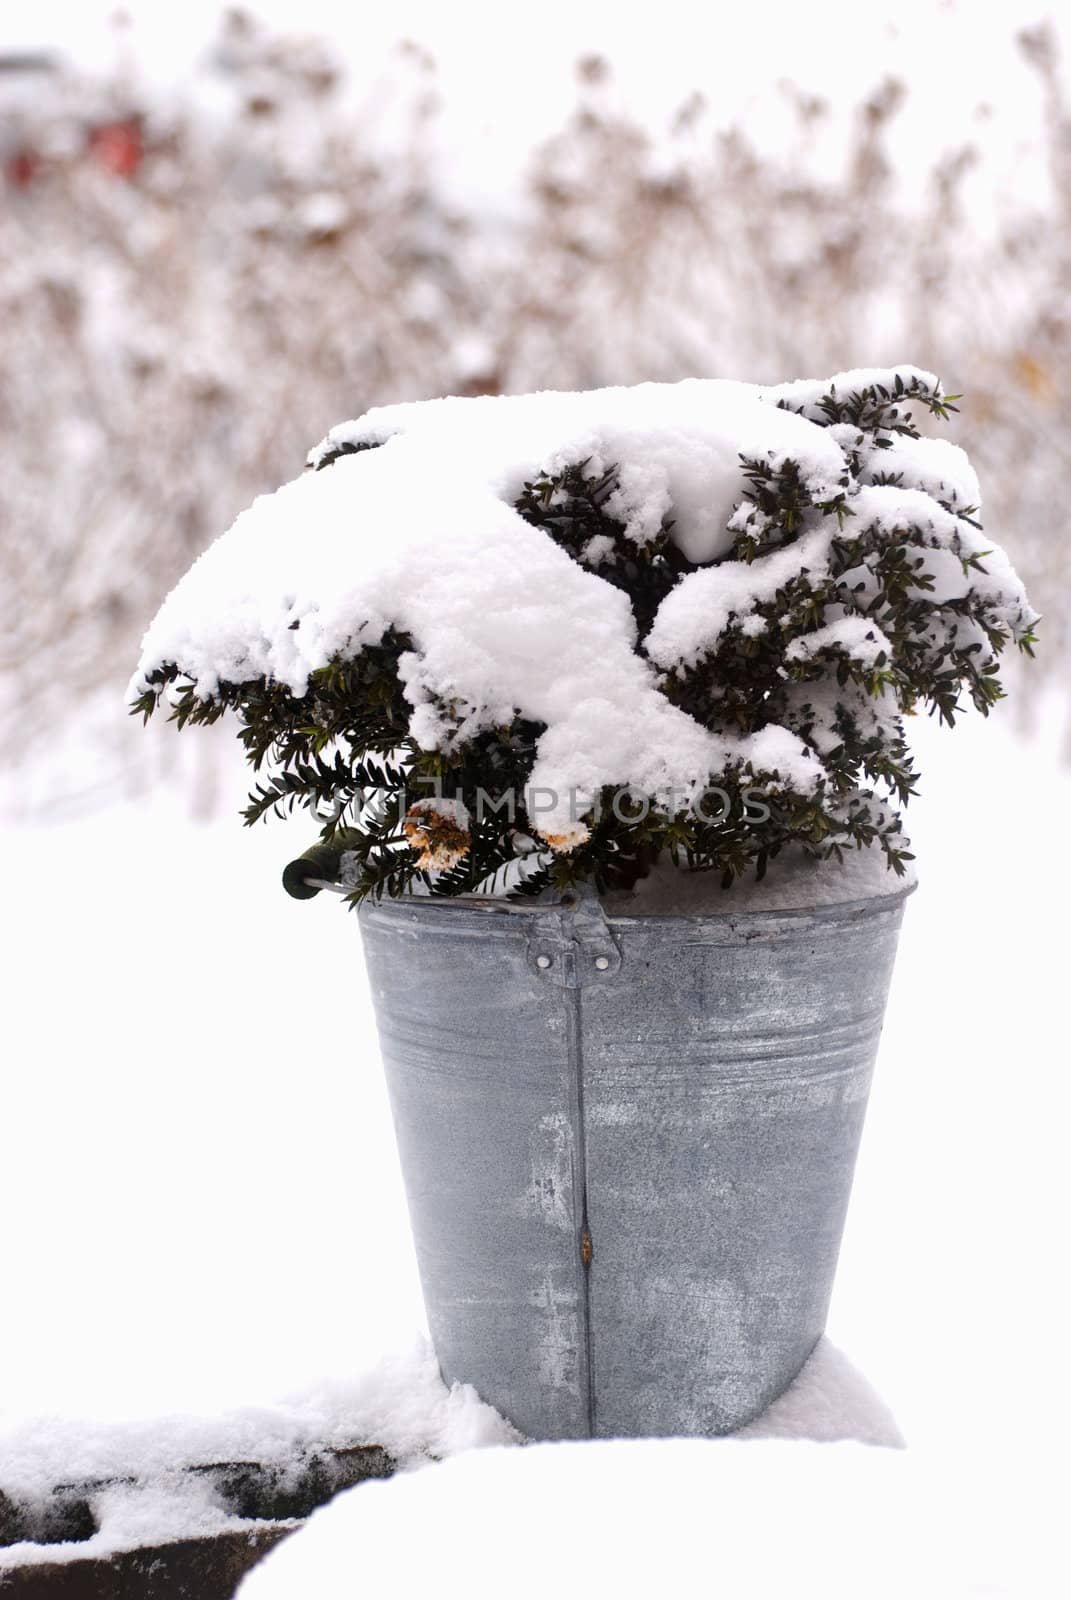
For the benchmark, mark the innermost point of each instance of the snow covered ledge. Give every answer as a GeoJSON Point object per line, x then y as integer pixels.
{"type": "Point", "coordinates": [137, 1509]}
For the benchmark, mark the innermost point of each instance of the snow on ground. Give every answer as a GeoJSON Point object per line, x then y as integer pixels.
{"type": "Point", "coordinates": [679, 1517]}
{"type": "Point", "coordinates": [203, 1207]}
{"type": "Point", "coordinates": [141, 1492]}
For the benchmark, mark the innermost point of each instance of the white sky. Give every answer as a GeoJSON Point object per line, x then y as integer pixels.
{"type": "Point", "coordinates": [506, 76]}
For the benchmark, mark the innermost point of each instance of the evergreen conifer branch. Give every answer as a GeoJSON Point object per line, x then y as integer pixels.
{"type": "Point", "coordinates": [894, 640]}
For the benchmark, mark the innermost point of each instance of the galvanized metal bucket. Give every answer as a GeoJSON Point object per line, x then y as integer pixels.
{"type": "Point", "coordinates": [628, 1144]}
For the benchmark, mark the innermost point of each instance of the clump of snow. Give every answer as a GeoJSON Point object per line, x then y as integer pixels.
{"type": "Point", "coordinates": [852, 636]}
{"type": "Point", "coordinates": [937, 466]}
{"type": "Point", "coordinates": [949, 539]}
{"type": "Point", "coordinates": [888, 507]}
{"type": "Point", "coordinates": [830, 1400]}
{"type": "Point", "coordinates": [694, 615]}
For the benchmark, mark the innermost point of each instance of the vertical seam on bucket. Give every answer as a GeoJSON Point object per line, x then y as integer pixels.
{"type": "Point", "coordinates": [586, 1351]}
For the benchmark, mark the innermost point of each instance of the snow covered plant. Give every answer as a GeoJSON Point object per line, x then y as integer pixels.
{"type": "Point", "coordinates": [498, 643]}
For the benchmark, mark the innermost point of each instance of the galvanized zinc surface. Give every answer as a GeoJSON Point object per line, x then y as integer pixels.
{"type": "Point", "coordinates": [628, 1145]}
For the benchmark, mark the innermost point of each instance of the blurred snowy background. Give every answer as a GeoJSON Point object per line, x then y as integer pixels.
{"type": "Point", "coordinates": [222, 233]}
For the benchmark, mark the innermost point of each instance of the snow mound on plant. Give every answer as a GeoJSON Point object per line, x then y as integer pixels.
{"type": "Point", "coordinates": [420, 535]}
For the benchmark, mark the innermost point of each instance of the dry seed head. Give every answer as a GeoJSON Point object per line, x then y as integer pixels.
{"type": "Point", "coordinates": [438, 830]}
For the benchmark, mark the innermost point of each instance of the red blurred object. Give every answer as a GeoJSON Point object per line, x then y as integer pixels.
{"type": "Point", "coordinates": [118, 146]}
{"type": "Point", "coordinates": [21, 168]}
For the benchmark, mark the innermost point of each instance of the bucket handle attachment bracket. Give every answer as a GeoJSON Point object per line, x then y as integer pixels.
{"type": "Point", "coordinates": [571, 944]}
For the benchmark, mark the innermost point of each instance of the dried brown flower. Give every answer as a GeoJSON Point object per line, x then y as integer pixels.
{"type": "Point", "coordinates": [437, 828]}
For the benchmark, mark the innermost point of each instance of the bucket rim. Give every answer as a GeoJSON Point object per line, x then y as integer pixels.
{"type": "Point", "coordinates": [484, 905]}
